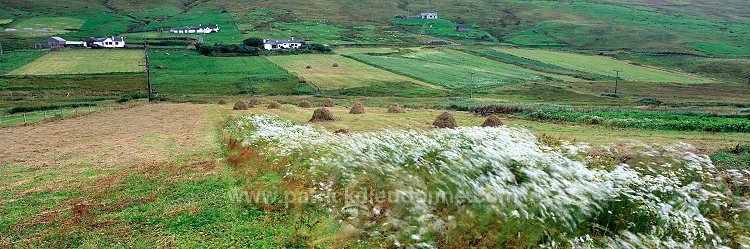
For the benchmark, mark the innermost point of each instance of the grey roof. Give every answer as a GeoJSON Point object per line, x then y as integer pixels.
{"type": "Point", "coordinates": [101, 39]}
{"type": "Point", "coordinates": [214, 26]}
{"type": "Point", "coordinates": [463, 26]}
{"type": "Point", "coordinates": [57, 38]}
{"type": "Point", "coordinates": [277, 42]}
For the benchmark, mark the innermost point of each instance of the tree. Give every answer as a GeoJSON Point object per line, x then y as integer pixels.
{"type": "Point", "coordinates": [253, 42]}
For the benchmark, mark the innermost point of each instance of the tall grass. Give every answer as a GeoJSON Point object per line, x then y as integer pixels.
{"type": "Point", "coordinates": [499, 187]}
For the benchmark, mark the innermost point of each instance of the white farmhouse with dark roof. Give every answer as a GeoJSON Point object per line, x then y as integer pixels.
{"type": "Point", "coordinates": [200, 29]}
{"type": "Point", "coordinates": [106, 42]}
{"type": "Point", "coordinates": [282, 44]}
{"type": "Point", "coordinates": [429, 15]}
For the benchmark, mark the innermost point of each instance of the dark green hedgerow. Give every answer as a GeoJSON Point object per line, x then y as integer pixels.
{"type": "Point", "coordinates": [20, 109]}
{"type": "Point", "coordinates": [610, 117]}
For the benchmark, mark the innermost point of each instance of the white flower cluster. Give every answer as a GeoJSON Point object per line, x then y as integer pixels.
{"type": "Point", "coordinates": [501, 169]}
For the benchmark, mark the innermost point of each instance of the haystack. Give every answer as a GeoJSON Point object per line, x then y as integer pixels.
{"type": "Point", "coordinates": [255, 102]}
{"type": "Point", "coordinates": [445, 120]}
{"type": "Point", "coordinates": [321, 115]}
{"type": "Point", "coordinates": [394, 108]}
{"type": "Point", "coordinates": [492, 121]}
{"type": "Point", "coordinates": [342, 131]}
{"type": "Point", "coordinates": [223, 102]}
{"type": "Point", "coordinates": [328, 103]}
{"type": "Point", "coordinates": [357, 108]}
{"type": "Point", "coordinates": [274, 105]}
{"type": "Point", "coordinates": [241, 105]}
{"type": "Point", "coordinates": [304, 104]}
{"type": "Point", "coordinates": [309, 67]}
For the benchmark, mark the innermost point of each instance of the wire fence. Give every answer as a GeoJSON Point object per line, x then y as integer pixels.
{"type": "Point", "coordinates": [49, 115]}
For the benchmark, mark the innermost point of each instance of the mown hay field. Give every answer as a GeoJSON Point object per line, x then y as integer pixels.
{"type": "Point", "coordinates": [84, 61]}
{"type": "Point", "coordinates": [451, 69]}
{"type": "Point", "coordinates": [603, 66]}
{"type": "Point", "coordinates": [347, 73]}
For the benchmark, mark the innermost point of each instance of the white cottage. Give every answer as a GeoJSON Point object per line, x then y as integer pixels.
{"type": "Point", "coordinates": [429, 15]}
{"type": "Point", "coordinates": [282, 44]}
{"type": "Point", "coordinates": [200, 29]}
{"type": "Point", "coordinates": [106, 42]}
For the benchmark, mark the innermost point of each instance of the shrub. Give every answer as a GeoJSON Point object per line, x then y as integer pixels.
{"type": "Point", "coordinates": [241, 105]}
{"type": "Point", "coordinates": [394, 108]}
{"type": "Point", "coordinates": [613, 95]}
{"type": "Point", "coordinates": [650, 102]}
{"type": "Point", "coordinates": [335, 65]}
{"type": "Point", "coordinates": [328, 103]}
{"type": "Point", "coordinates": [19, 109]}
{"type": "Point", "coordinates": [445, 120]}
{"type": "Point", "coordinates": [304, 104]}
{"type": "Point", "coordinates": [357, 108]}
{"type": "Point", "coordinates": [227, 49]}
{"type": "Point", "coordinates": [589, 119]}
{"type": "Point", "coordinates": [746, 110]}
{"type": "Point", "coordinates": [321, 115]}
{"type": "Point", "coordinates": [492, 121]}
{"type": "Point", "coordinates": [253, 42]}
{"type": "Point", "coordinates": [223, 102]}
{"type": "Point", "coordinates": [273, 105]}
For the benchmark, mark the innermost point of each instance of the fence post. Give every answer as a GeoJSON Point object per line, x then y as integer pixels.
{"type": "Point", "coordinates": [24, 117]}
{"type": "Point", "coordinates": [76, 110]}
{"type": "Point", "coordinates": [45, 115]}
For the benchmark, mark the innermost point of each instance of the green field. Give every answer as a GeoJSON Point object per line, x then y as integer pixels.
{"type": "Point", "coordinates": [84, 61]}
{"type": "Point", "coordinates": [450, 69]}
{"type": "Point", "coordinates": [442, 28]}
{"type": "Point", "coordinates": [228, 34]}
{"type": "Point", "coordinates": [348, 74]}
{"type": "Point", "coordinates": [187, 72]}
{"type": "Point", "coordinates": [602, 66]}
{"type": "Point", "coordinates": [14, 59]}
{"type": "Point", "coordinates": [58, 25]}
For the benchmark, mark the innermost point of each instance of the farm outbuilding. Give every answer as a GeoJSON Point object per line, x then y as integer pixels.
{"type": "Point", "coordinates": [54, 42]}
{"type": "Point", "coordinates": [462, 28]}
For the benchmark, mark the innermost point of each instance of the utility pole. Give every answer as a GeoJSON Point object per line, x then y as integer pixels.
{"type": "Point", "coordinates": [1, 50]}
{"type": "Point", "coordinates": [471, 84]}
{"type": "Point", "coordinates": [617, 79]}
{"type": "Point", "coordinates": [148, 70]}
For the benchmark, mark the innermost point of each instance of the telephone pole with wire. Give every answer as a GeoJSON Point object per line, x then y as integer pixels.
{"type": "Point", "coordinates": [471, 84]}
{"type": "Point", "coordinates": [148, 70]}
{"type": "Point", "coordinates": [617, 79]}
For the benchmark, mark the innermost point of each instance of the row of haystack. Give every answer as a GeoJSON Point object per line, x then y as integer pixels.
{"type": "Point", "coordinates": [242, 105]}
{"type": "Point", "coordinates": [444, 120]}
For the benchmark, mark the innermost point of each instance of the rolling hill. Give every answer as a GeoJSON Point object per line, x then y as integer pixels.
{"type": "Point", "coordinates": [718, 28]}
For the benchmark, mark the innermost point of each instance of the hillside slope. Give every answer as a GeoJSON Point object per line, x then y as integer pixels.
{"type": "Point", "coordinates": [718, 28]}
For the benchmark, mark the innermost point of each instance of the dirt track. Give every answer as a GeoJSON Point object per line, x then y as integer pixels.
{"type": "Point", "coordinates": [147, 132]}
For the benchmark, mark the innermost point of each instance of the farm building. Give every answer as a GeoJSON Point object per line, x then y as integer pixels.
{"type": "Point", "coordinates": [462, 28]}
{"type": "Point", "coordinates": [105, 42]}
{"type": "Point", "coordinates": [200, 29]}
{"type": "Point", "coordinates": [282, 44]}
{"type": "Point", "coordinates": [54, 42]}
{"type": "Point", "coordinates": [429, 15]}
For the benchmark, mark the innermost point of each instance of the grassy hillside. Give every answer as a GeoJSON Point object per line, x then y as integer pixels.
{"type": "Point", "coordinates": [715, 28]}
